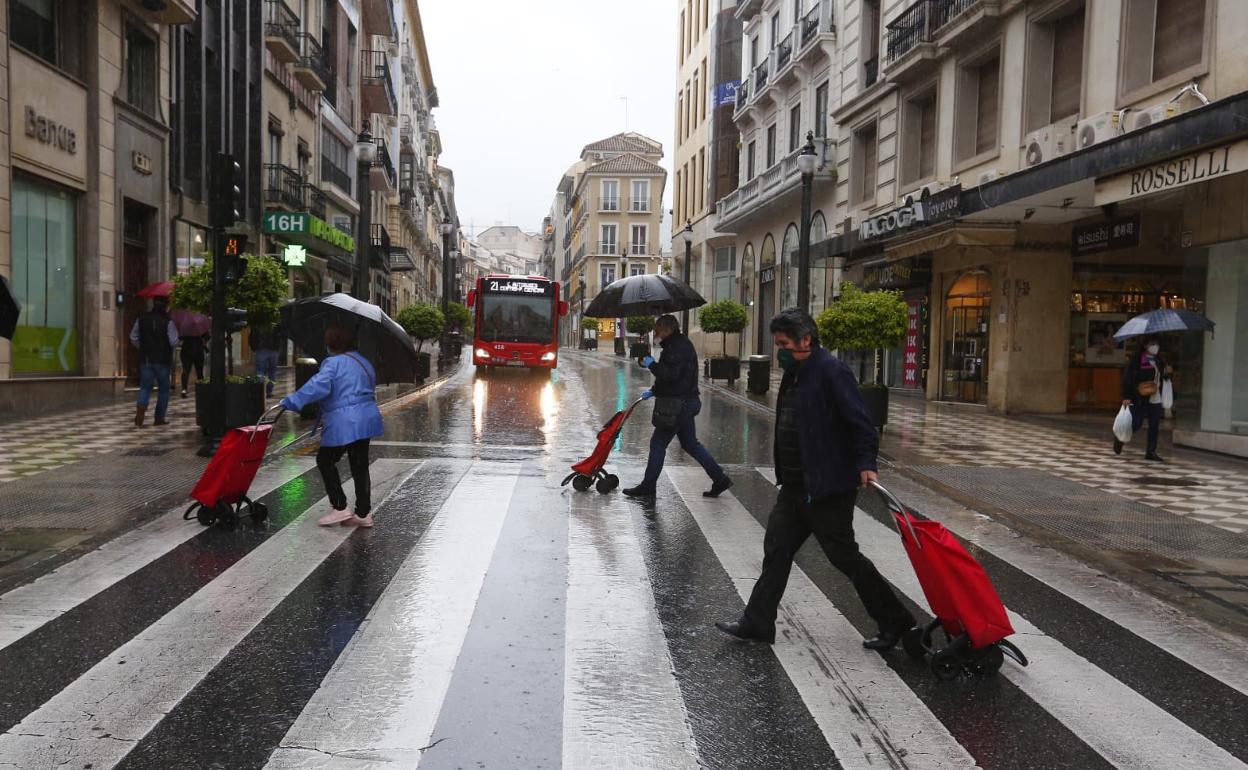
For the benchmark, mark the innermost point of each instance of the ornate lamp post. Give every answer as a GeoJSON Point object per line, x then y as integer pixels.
{"type": "Point", "coordinates": [365, 154]}
{"type": "Point", "coordinates": [807, 161]}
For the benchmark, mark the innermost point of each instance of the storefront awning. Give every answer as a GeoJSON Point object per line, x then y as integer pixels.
{"type": "Point", "coordinates": [952, 236]}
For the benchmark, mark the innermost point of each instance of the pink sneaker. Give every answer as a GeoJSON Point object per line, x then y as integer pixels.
{"type": "Point", "coordinates": [359, 521]}
{"type": "Point", "coordinates": [335, 517]}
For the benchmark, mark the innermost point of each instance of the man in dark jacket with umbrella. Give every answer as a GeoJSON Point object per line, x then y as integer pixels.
{"type": "Point", "coordinates": [676, 378]}
{"type": "Point", "coordinates": [825, 448]}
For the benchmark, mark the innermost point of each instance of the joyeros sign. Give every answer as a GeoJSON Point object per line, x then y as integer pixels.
{"type": "Point", "coordinates": [893, 221]}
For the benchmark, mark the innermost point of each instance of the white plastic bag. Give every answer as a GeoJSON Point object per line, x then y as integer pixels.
{"type": "Point", "coordinates": [1167, 395]}
{"type": "Point", "coordinates": [1122, 425]}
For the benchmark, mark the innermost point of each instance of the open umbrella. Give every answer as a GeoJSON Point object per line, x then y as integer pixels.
{"type": "Point", "coordinates": [1163, 320]}
{"type": "Point", "coordinates": [647, 294]}
{"type": "Point", "coordinates": [189, 323]}
{"type": "Point", "coordinates": [378, 337]}
{"type": "Point", "coordinates": [10, 309]}
{"type": "Point", "coordinates": [158, 289]}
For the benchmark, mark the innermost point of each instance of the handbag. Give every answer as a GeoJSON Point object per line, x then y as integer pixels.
{"type": "Point", "coordinates": [667, 411]}
{"type": "Point", "coordinates": [1147, 389]}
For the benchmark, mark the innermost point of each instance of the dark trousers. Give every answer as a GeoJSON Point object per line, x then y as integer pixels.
{"type": "Point", "coordinates": [687, 432]}
{"type": "Point", "coordinates": [831, 521]}
{"type": "Point", "coordinates": [327, 458]}
{"type": "Point", "coordinates": [192, 358]}
{"type": "Point", "coordinates": [1140, 409]}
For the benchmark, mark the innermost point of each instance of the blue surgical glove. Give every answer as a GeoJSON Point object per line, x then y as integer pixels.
{"type": "Point", "coordinates": [647, 394]}
{"type": "Point", "coordinates": [647, 361]}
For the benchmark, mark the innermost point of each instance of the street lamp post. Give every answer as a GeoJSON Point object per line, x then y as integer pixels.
{"type": "Point", "coordinates": [446, 229]}
{"type": "Point", "coordinates": [365, 153]}
{"type": "Point", "coordinates": [687, 236]}
{"type": "Point", "coordinates": [807, 160]}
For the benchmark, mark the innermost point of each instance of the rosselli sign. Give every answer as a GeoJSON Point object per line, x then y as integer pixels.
{"type": "Point", "coordinates": [1172, 173]}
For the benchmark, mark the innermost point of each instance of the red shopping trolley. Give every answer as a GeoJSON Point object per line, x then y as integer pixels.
{"type": "Point", "coordinates": [221, 492]}
{"type": "Point", "coordinates": [592, 470]}
{"type": "Point", "coordinates": [967, 609]}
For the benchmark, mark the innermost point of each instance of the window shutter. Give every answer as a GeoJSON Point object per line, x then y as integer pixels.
{"type": "Point", "coordinates": [1067, 65]}
{"type": "Point", "coordinates": [927, 138]}
{"type": "Point", "coordinates": [1180, 35]}
{"type": "Point", "coordinates": [986, 112]}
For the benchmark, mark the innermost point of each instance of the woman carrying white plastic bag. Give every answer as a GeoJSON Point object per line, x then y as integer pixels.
{"type": "Point", "coordinates": [1122, 425]}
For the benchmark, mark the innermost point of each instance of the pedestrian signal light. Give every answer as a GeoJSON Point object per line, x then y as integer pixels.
{"type": "Point", "coordinates": [227, 204]}
{"type": "Point", "coordinates": [232, 260]}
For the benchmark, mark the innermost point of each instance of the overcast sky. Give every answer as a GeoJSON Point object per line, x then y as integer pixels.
{"type": "Point", "coordinates": [525, 84]}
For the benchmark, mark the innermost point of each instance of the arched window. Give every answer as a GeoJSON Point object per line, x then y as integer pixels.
{"type": "Point", "coordinates": [788, 261]}
{"type": "Point", "coordinates": [767, 256]}
{"type": "Point", "coordinates": [819, 289]}
{"type": "Point", "coordinates": [747, 275]}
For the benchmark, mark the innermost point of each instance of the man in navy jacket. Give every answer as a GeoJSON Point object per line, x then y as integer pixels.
{"type": "Point", "coordinates": [825, 448]}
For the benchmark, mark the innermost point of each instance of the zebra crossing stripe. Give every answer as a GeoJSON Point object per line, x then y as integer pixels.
{"type": "Point", "coordinates": [855, 702]}
{"type": "Point", "coordinates": [1118, 723]}
{"type": "Point", "coordinates": [622, 707]}
{"type": "Point", "coordinates": [98, 719]}
{"type": "Point", "coordinates": [27, 608]}
{"type": "Point", "coordinates": [379, 704]}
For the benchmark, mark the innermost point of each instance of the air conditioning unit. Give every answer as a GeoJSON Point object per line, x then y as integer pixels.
{"type": "Point", "coordinates": [1098, 128]}
{"type": "Point", "coordinates": [989, 176]}
{"type": "Point", "coordinates": [926, 191]}
{"type": "Point", "coordinates": [1155, 114]}
{"type": "Point", "coordinates": [1046, 144]}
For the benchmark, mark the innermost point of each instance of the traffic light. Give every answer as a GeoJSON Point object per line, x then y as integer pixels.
{"type": "Point", "coordinates": [235, 320]}
{"type": "Point", "coordinates": [227, 204]}
{"type": "Point", "coordinates": [232, 261]}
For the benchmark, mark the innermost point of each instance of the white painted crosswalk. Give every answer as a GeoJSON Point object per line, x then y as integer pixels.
{"type": "Point", "coordinates": [631, 698]}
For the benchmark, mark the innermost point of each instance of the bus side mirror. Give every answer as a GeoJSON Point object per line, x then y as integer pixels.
{"type": "Point", "coordinates": [563, 307]}
{"type": "Point", "coordinates": [472, 297]}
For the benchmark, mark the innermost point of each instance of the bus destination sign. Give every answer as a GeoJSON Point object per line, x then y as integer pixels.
{"type": "Point", "coordinates": [512, 286]}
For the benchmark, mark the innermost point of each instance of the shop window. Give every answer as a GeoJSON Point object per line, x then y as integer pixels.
{"type": "Point", "coordinates": [45, 279]}
{"type": "Point", "coordinates": [864, 162]}
{"type": "Point", "coordinates": [966, 328]}
{"type": "Point", "coordinates": [51, 30]}
{"type": "Point", "coordinates": [818, 270]}
{"type": "Point", "coordinates": [141, 88]}
{"type": "Point", "coordinates": [918, 129]}
{"type": "Point", "coordinates": [976, 124]}
{"type": "Point", "coordinates": [1163, 40]}
{"type": "Point", "coordinates": [1054, 69]}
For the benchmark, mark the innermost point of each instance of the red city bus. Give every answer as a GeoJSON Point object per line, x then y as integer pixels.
{"type": "Point", "coordinates": [516, 321]}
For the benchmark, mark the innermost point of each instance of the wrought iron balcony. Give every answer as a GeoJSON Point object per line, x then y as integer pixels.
{"type": "Point", "coordinates": [315, 199]}
{"type": "Point", "coordinates": [760, 77]}
{"type": "Point", "coordinates": [334, 175]}
{"type": "Point", "coordinates": [283, 187]}
{"type": "Point", "coordinates": [381, 246]}
{"type": "Point", "coordinates": [784, 52]}
{"type": "Point", "coordinates": [383, 167]}
{"type": "Point", "coordinates": [810, 25]}
{"type": "Point", "coordinates": [311, 69]}
{"type": "Point", "coordinates": [609, 204]}
{"type": "Point", "coordinates": [947, 11]}
{"type": "Point", "coordinates": [281, 31]}
{"type": "Point", "coordinates": [376, 84]}
{"type": "Point", "coordinates": [913, 27]}
{"type": "Point", "coordinates": [743, 94]}
{"type": "Point", "coordinates": [608, 247]}
{"type": "Point", "coordinates": [638, 248]}
{"type": "Point", "coordinates": [407, 133]}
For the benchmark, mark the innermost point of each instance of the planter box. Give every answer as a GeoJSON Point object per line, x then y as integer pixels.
{"type": "Point", "coordinates": [244, 404]}
{"type": "Point", "coordinates": [726, 369]}
{"type": "Point", "coordinates": [876, 399]}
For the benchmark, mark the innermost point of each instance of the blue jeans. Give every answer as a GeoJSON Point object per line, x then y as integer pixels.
{"type": "Point", "coordinates": [266, 366]}
{"type": "Point", "coordinates": [687, 432]}
{"type": "Point", "coordinates": [1140, 408]}
{"type": "Point", "coordinates": [155, 375]}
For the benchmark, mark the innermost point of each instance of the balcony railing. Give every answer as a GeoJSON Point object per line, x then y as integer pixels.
{"type": "Point", "coordinates": [407, 133]}
{"type": "Point", "coordinates": [384, 162]}
{"type": "Point", "coordinates": [315, 199]}
{"type": "Point", "coordinates": [760, 77]}
{"type": "Point", "coordinates": [911, 28]}
{"type": "Point", "coordinates": [336, 176]}
{"type": "Point", "coordinates": [810, 25]}
{"type": "Point", "coordinates": [639, 205]}
{"type": "Point", "coordinates": [639, 248]}
{"type": "Point", "coordinates": [743, 94]}
{"type": "Point", "coordinates": [948, 10]}
{"type": "Point", "coordinates": [377, 84]}
{"type": "Point", "coordinates": [608, 247]}
{"type": "Point", "coordinates": [609, 204]}
{"type": "Point", "coordinates": [381, 245]}
{"type": "Point", "coordinates": [784, 52]}
{"type": "Point", "coordinates": [282, 186]}
{"type": "Point", "coordinates": [281, 31]}
{"type": "Point", "coordinates": [311, 69]}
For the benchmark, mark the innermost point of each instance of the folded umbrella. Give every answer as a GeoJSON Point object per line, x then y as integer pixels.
{"type": "Point", "coordinates": [190, 324]}
{"type": "Point", "coordinates": [378, 337]}
{"type": "Point", "coordinates": [10, 309]}
{"type": "Point", "coordinates": [158, 289]}
{"type": "Point", "coordinates": [647, 294]}
{"type": "Point", "coordinates": [1163, 320]}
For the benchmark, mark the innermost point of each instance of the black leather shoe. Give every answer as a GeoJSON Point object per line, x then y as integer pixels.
{"type": "Point", "coordinates": [885, 640]}
{"type": "Point", "coordinates": [718, 488]}
{"type": "Point", "coordinates": [639, 491]}
{"type": "Point", "coordinates": [1154, 457]}
{"type": "Point", "coordinates": [744, 631]}
{"type": "Point", "coordinates": [1117, 447]}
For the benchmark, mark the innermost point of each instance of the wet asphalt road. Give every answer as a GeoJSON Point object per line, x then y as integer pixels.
{"type": "Point", "coordinates": [494, 619]}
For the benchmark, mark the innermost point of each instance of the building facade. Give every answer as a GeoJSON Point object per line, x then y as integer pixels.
{"type": "Point", "coordinates": [613, 215]}
{"type": "Point", "coordinates": [1029, 175]}
{"type": "Point", "coordinates": [84, 203]}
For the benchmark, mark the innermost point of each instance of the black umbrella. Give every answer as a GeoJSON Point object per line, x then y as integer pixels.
{"type": "Point", "coordinates": [643, 295]}
{"type": "Point", "coordinates": [10, 309]}
{"type": "Point", "coordinates": [378, 338]}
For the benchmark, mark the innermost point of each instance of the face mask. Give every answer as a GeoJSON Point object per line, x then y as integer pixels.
{"type": "Point", "coordinates": [787, 361]}
{"type": "Point", "coordinates": [1154, 350]}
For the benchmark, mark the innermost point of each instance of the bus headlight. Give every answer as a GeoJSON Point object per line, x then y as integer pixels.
{"type": "Point", "coordinates": [483, 353]}
{"type": "Point", "coordinates": [548, 356]}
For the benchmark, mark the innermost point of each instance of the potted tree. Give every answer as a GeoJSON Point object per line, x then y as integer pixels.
{"type": "Point", "coordinates": [421, 322]}
{"type": "Point", "coordinates": [459, 317]}
{"type": "Point", "coordinates": [259, 292]}
{"type": "Point", "coordinates": [874, 321]}
{"type": "Point", "coordinates": [724, 317]}
{"type": "Point", "coordinates": [641, 325]}
{"type": "Point", "coordinates": [589, 325]}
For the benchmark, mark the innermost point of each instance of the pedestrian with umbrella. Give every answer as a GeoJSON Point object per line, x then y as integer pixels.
{"type": "Point", "coordinates": [346, 387]}
{"type": "Point", "coordinates": [378, 337]}
{"type": "Point", "coordinates": [193, 331]}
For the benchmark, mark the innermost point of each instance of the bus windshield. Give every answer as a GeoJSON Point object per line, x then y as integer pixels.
{"type": "Point", "coordinates": [514, 318]}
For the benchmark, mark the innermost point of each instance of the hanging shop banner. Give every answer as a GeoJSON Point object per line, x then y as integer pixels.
{"type": "Point", "coordinates": [1199, 166]}
{"type": "Point", "coordinates": [1122, 233]}
{"type": "Point", "coordinates": [726, 93]}
{"type": "Point", "coordinates": [910, 363]}
{"type": "Point", "coordinates": [767, 274]}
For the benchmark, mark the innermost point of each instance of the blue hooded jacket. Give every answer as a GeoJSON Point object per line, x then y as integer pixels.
{"type": "Point", "coordinates": [346, 388]}
{"type": "Point", "coordinates": [835, 432]}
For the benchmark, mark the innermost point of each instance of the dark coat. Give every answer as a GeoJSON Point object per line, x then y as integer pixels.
{"type": "Point", "coordinates": [676, 371]}
{"type": "Point", "coordinates": [837, 438]}
{"type": "Point", "coordinates": [262, 338]}
{"type": "Point", "coordinates": [1135, 373]}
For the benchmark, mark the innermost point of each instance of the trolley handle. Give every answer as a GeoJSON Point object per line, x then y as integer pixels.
{"type": "Point", "coordinates": [894, 504]}
{"type": "Point", "coordinates": [261, 421]}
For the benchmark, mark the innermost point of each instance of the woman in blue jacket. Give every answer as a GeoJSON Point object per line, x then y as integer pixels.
{"type": "Point", "coordinates": [346, 387]}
